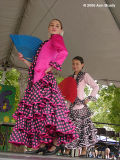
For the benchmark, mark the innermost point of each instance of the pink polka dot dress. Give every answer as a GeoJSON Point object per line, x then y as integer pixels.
{"type": "Point", "coordinates": [42, 114]}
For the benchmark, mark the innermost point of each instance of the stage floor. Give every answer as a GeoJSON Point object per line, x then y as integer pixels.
{"type": "Point", "coordinates": [16, 156]}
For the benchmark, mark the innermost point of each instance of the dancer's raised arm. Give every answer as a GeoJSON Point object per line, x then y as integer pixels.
{"type": "Point", "coordinates": [20, 56]}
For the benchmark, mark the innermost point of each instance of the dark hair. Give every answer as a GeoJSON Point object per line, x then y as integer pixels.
{"type": "Point", "coordinates": [79, 58]}
{"type": "Point", "coordinates": [58, 21]}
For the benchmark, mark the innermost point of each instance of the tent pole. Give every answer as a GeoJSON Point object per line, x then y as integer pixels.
{"type": "Point", "coordinates": [111, 11]}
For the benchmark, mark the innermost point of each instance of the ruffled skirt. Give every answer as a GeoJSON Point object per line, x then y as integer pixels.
{"type": "Point", "coordinates": [84, 127]}
{"type": "Point", "coordinates": [42, 116]}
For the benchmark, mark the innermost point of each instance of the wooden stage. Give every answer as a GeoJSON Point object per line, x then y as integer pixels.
{"type": "Point", "coordinates": [17, 156]}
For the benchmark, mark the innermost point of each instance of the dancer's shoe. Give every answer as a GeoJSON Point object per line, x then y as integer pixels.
{"type": "Point", "coordinates": [43, 149]}
{"type": "Point", "coordinates": [58, 148]}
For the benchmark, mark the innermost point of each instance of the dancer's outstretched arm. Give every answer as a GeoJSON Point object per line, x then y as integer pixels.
{"type": "Point", "coordinates": [20, 55]}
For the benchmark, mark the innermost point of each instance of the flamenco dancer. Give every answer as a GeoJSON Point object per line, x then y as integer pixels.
{"type": "Point", "coordinates": [42, 120]}
{"type": "Point", "coordinates": [79, 112]}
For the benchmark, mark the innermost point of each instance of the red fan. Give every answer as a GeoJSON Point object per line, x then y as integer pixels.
{"type": "Point", "coordinates": [68, 88]}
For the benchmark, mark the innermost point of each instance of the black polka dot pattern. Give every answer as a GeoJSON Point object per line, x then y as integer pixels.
{"type": "Point", "coordinates": [81, 119]}
{"type": "Point", "coordinates": [42, 114]}
{"type": "Point", "coordinates": [55, 65]}
{"type": "Point", "coordinates": [85, 128]}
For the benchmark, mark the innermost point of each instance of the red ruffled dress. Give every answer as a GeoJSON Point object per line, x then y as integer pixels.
{"type": "Point", "coordinates": [42, 114]}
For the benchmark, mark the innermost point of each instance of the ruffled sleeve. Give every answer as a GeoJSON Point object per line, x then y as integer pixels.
{"type": "Point", "coordinates": [90, 81]}
{"type": "Point", "coordinates": [58, 43]}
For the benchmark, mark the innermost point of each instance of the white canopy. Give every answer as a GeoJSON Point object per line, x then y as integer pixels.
{"type": "Point", "coordinates": [91, 32]}
{"type": "Point", "coordinates": [106, 139]}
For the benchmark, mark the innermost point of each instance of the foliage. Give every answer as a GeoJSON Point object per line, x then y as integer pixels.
{"type": "Point", "coordinates": [107, 108]}
{"type": "Point", "coordinates": [59, 79]}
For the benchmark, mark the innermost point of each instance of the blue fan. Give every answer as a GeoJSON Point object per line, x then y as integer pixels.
{"type": "Point", "coordinates": [27, 45]}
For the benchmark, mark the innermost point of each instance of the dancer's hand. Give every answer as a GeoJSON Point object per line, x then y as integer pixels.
{"type": "Point", "coordinates": [86, 101]}
{"type": "Point", "coordinates": [20, 56]}
{"type": "Point", "coordinates": [48, 70]}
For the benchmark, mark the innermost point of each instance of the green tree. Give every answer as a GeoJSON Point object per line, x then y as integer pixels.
{"type": "Point", "coordinates": [107, 108]}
